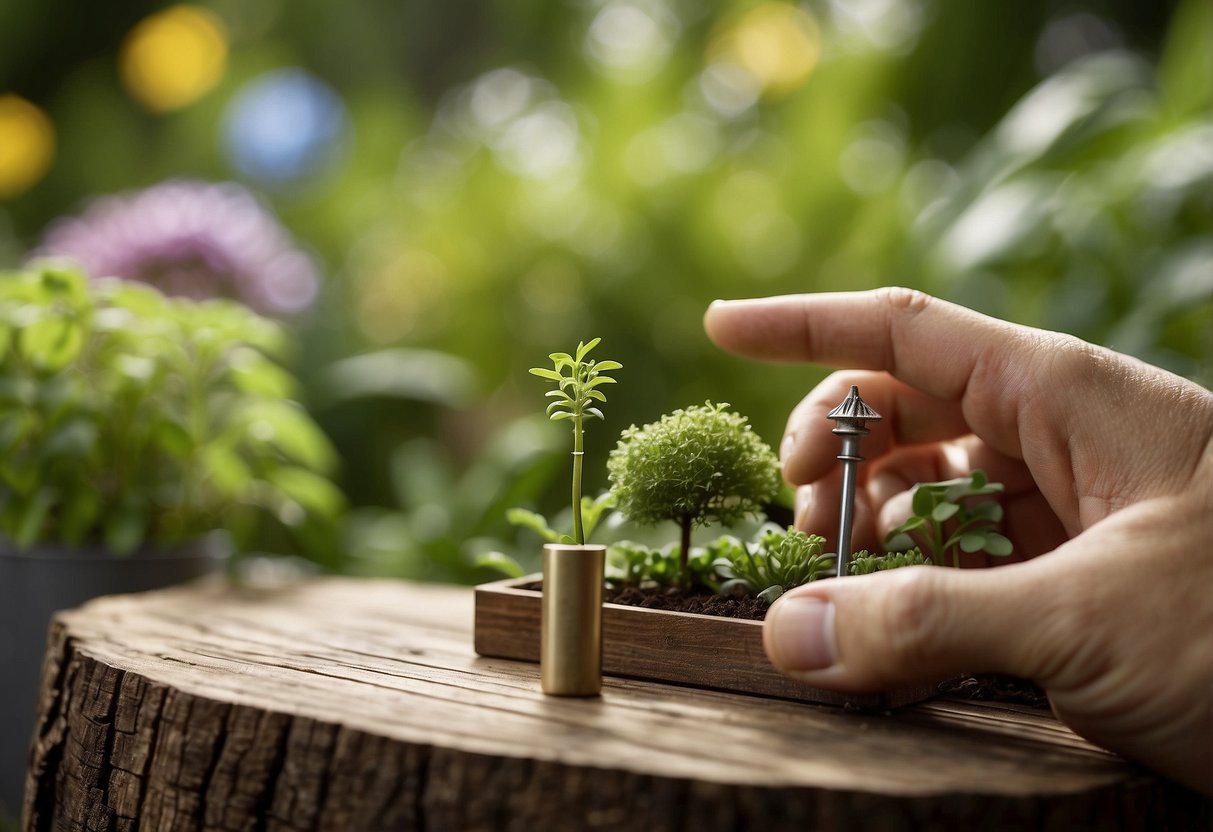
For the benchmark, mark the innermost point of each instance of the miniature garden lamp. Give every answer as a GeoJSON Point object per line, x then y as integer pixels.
{"type": "Point", "coordinates": [851, 416]}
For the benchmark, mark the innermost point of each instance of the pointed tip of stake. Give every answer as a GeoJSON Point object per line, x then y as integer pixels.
{"type": "Point", "coordinates": [854, 408]}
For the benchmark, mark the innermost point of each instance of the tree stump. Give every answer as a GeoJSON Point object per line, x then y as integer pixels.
{"type": "Point", "coordinates": [348, 705]}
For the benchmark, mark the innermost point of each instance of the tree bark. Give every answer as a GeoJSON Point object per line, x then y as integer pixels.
{"type": "Point", "coordinates": [352, 705]}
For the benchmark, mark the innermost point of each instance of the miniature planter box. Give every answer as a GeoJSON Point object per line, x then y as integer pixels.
{"type": "Point", "coordinates": [705, 651]}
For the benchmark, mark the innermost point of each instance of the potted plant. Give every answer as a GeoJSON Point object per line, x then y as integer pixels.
{"type": "Point", "coordinates": [571, 626]}
{"type": "Point", "coordinates": [138, 435]}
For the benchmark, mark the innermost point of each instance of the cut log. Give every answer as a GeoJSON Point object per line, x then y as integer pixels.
{"type": "Point", "coordinates": [347, 705]}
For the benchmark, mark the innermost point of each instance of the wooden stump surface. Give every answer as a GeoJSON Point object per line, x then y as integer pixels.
{"type": "Point", "coordinates": [350, 704]}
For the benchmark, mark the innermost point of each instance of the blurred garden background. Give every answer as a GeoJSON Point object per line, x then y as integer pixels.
{"type": "Point", "coordinates": [434, 196]}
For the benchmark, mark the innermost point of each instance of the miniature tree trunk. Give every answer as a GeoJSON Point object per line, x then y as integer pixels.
{"type": "Point", "coordinates": [684, 550]}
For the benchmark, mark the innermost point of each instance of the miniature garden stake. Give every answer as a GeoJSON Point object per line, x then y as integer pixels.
{"type": "Point", "coordinates": [570, 639]}
{"type": "Point", "coordinates": [851, 415]}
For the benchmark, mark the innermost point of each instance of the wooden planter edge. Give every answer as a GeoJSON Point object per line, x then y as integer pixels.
{"type": "Point", "coordinates": [705, 651]}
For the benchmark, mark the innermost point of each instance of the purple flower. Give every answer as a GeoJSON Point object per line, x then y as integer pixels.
{"type": "Point", "coordinates": [196, 239]}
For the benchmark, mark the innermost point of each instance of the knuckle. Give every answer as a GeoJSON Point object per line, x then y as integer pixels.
{"type": "Point", "coordinates": [903, 299]}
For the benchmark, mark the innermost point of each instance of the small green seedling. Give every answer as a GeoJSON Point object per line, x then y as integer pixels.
{"type": "Point", "coordinates": [948, 520]}
{"type": "Point", "coordinates": [695, 466]}
{"type": "Point", "coordinates": [865, 563]}
{"type": "Point", "coordinates": [577, 381]}
{"type": "Point", "coordinates": [778, 562]}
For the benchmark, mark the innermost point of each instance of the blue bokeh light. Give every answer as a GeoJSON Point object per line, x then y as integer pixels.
{"type": "Point", "coordinates": [284, 126]}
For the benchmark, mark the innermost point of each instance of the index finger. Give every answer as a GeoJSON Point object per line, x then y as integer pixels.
{"type": "Point", "coordinates": [928, 343]}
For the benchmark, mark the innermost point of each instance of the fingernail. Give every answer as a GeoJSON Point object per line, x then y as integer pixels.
{"type": "Point", "coordinates": [800, 634]}
{"type": "Point", "coordinates": [786, 447]}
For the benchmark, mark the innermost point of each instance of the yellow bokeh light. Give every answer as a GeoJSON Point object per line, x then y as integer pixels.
{"type": "Point", "coordinates": [777, 44]}
{"type": "Point", "coordinates": [27, 145]}
{"type": "Point", "coordinates": [172, 58]}
{"type": "Point", "coordinates": [400, 295]}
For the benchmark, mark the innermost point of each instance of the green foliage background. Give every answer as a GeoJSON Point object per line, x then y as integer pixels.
{"type": "Point", "coordinates": [1048, 163]}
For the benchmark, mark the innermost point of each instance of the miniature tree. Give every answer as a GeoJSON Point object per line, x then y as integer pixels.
{"type": "Point", "coordinates": [577, 382]}
{"type": "Point", "coordinates": [695, 466]}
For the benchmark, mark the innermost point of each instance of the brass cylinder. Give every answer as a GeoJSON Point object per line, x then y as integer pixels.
{"type": "Point", "coordinates": [570, 642]}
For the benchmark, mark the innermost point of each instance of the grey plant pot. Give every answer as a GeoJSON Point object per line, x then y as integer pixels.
{"type": "Point", "coordinates": [34, 584]}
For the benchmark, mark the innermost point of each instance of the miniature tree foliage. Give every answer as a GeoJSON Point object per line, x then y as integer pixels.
{"type": "Point", "coordinates": [695, 466]}
{"type": "Point", "coordinates": [577, 379]}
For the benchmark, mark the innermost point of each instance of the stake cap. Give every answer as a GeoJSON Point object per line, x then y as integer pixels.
{"type": "Point", "coordinates": [852, 412]}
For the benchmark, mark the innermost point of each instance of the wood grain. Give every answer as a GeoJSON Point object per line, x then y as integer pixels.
{"type": "Point", "coordinates": [348, 705]}
{"type": "Point", "coordinates": [660, 645]}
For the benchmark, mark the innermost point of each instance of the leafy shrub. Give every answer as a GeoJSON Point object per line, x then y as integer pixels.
{"type": "Point", "coordinates": [127, 418]}
{"type": "Point", "coordinates": [778, 561]}
{"type": "Point", "coordinates": [695, 466]}
{"type": "Point", "coordinates": [947, 520]}
{"type": "Point", "coordinates": [634, 564]}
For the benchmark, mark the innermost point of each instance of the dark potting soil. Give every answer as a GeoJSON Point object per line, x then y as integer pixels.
{"type": "Point", "coordinates": [702, 601]}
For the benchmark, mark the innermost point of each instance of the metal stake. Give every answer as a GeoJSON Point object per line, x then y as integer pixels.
{"type": "Point", "coordinates": [850, 415]}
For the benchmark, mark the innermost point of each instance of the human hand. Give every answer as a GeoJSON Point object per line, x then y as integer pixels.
{"type": "Point", "coordinates": [1108, 464]}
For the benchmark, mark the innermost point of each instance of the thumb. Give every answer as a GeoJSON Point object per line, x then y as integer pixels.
{"type": "Point", "coordinates": [914, 625]}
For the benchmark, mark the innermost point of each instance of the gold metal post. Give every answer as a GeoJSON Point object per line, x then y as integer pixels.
{"type": "Point", "coordinates": [570, 651]}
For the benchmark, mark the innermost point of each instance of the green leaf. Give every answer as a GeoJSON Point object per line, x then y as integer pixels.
{"type": "Point", "coordinates": [225, 470]}
{"type": "Point", "coordinates": [315, 493]}
{"type": "Point", "coordinates": [557, 405]}
{"type": "Point", "coordinates": [594, 382]}
{"type": "Point", "coordinates": [584, 349]}
{"type": "Point", "coordinates": [989, 510]}
{"type": "Point", "coordinates": [594, 394]}
{"type": "Point", "coordinates": [551, 375]}
{"type": "Point", "coordinates": [499, 562]}
{"type": "Point", "coordinates": [923, 501]}
{"type": "Point", "coordinates": [561, 358]}
{"type": "Point", "coordinates": [50, 344]}
{"type": "Point", "coordinates": [253, 373]}
{"type": "Point", "coordinates": [771, 593]}
{"type": "Point", "coordinates": [537, 523]}
{"type": "Point", "coordinates": [172, 438]}
{"type": "Point", "coordinates": [593, 411]}
{"type": "Point", "coordinates": [287, 427]}
{"type": "Point", "coordinates": [911, 523]}
{"type": "Point", "coordinates": [65, 285]}
{"type": "Point", "coordinates": [898, 542]}
{"type": "Point", "coordinates": [944, 511]}
{"type": "Point", "coordinates": [604, 366]}
{"type": "Point", "coordinates": [593, 509]}
{"type": "Point", "coordinates": [973, 541]}
{"type": "Point", "coordinates": [977, 479]}
{"type": "Point", "coordinates": [997, 545]}
{"type": "Point", "coordinates": [556, 417]}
